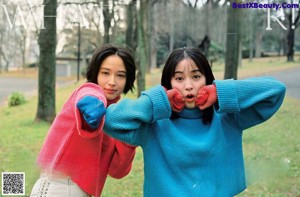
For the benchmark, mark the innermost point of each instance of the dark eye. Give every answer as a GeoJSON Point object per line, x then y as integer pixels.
{"type": "Point", "coordinates": [197, 76]}
{"type": "Point", "coordinates": [178, 78]}
{"type": "Point", "coordinates": [121, 76]}
{"type": "Point", "coordinates": [105, 73]}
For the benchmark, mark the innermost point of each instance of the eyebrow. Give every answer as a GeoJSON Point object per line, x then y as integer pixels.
{"type": "Point", "coordinates": [196, 70]}
{"type": "Point", "coordinates": [122, 71]}
{"type": "Point", "coordinates": [193, 71]}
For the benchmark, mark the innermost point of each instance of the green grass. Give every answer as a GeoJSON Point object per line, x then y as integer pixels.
{"type": "Point", "coordinates": [272, 154]}
{"type": "Point", "coordinates": [271, 150]}
{"type": "Point", "coordinates": [21, 137]}
{"type": "Point", "coordinates": [272, 159]}
{"type": "Point", "coordinates": [257, 67]}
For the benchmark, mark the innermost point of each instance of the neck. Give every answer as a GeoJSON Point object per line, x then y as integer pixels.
{"type": "Point", "coordinates": [109, 102]}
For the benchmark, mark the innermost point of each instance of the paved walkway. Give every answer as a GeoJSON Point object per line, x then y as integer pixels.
{"type": "Point", "coordinates": [27, 86]}
{"type": "Point", "coordinates": [290, 77]}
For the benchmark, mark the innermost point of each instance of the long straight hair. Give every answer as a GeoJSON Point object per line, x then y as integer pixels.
{"type": "Point", "coordinates": [202, 64]}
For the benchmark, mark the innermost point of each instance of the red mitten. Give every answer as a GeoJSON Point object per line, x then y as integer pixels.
{"type": "Point", "coordinates": [176, 100]}
{"type": "Point", "coordinates": [211, 91]}
{"type": "Point", "coordinates": [202, 97]}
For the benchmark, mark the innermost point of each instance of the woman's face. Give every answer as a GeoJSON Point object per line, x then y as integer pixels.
{"type": "Point", "coordinates": [112, 76]}
{"type": "Point", "coordinates": [188, 80]}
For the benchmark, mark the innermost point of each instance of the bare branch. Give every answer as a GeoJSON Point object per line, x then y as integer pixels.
{"type": "Point", "coordinates": [190, 4]}
{"type": "Point", "coordinates": [81, 3]}
{"type": "Point", "coordinates": [195, 5]}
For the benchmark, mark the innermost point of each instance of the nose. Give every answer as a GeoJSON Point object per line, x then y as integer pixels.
{"type": "Point", "coordinates": [111, 80]}
{"type": "Point", "coordinates": [188, 85]}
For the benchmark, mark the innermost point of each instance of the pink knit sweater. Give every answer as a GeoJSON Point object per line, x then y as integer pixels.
{"type": "Point", "coordinates": [86, 157]}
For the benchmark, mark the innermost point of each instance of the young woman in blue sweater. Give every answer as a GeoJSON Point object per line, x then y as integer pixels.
{"type": "Point", "coordinates": [191, 126]}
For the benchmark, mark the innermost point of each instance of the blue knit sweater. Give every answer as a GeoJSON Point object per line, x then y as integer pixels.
{"type": "Point", "coordinates": [184, 157]}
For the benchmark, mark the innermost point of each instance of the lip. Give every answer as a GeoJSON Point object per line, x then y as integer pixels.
{"type": "Point", "coordinates": [110, 91]}
{"type": "Point", "coordinates": [189, 98]}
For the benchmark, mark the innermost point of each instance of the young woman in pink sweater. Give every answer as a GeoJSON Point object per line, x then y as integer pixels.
{"type": "Point", "coordinates": [77, 155]}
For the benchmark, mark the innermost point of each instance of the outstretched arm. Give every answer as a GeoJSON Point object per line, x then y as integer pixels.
{"type": "Point", "coordinates": [250, 101]}
{"type": "Point", "coordinates": [129, 120]}
{"type": "Point", "coordinates": [89, 103]}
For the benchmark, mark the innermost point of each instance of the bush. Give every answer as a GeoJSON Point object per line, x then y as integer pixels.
{"type": "Point", "coordinates": [32, 65]}
{"type": "Point", "coordinates": [83, 71]}
{"type": "Point", "coordinates": [216, 52]}
{"type": "Point", "coordinates": [15, 99]}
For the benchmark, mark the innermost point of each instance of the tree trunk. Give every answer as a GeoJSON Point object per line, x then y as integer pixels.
{"type": "Point", "coordinates": [258, 42]}
{"type": "Point", "coordinates": [279, 46]}
{"type": "Point", "coordinates": [232, 44]}
{"type": "Point", "coordinates": [284, 45]}
{"type": "Point", "coordinates": [290, 45]}
{"type": "Point", "coordinates": [131, 31]}
{"type": "Point", "coordinates": [290, 38]}
{"type": "Point", "coordinates": [47, 44]}
{"type": "Point", "coordinates": [141, 53]}
{"type": "Point", "coordinates": [23, 49]}
{"type": "Point", "coordinates": [251, 48]}
{"type": "Point", "coordinates": [145, 38]}
{"type": "Point", "coordinates": [172, 33]}
{"type": "Point", "coordinates": [107, 19]}
{"type": "Point", "coordinates": [152, 34]}
{"type": "Point", "coordinates": [1, 52]}
{"type": "Point", "coordinates": [240, 63]}
{"type": "Point", "coordinates": [251, 45]}
{"type": "Point", "coordinates": [207, 13]}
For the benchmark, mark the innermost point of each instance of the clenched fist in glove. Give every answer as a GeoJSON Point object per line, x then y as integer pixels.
{"type": "Point", "coordinates": [92, 110]}
{"type": "Point", "coordinates": [207, 96]}
{"type": "Point", "coordinates": [176, 99]}
{"type": "Point", "coordinates": [201, 98]}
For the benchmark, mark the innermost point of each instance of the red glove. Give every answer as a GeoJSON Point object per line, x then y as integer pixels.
{"type": "Point", "coordinates": [202, 97]}
{"type": "Point", "coordinates": [176, 100]}
{"type": "Point", "coordinates": [211, 92]}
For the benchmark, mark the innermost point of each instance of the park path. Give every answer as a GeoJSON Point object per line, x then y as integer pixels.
{"type": "Point", "coordinates": [27, 86]}
{"type": "Point", "coordinates": [291, 77]}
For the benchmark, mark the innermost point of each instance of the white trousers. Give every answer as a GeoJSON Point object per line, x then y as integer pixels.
{"type": "Point", "coordinates": [47, 186]}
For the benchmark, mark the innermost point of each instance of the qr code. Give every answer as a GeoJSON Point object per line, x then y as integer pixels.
{"type": "Point", "coordinates": [13, 183]}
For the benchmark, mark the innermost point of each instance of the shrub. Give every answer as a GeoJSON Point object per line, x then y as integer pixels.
{"type": "Point", "coordinates": [15, 99]}
{"type": "Point", "coordinates": [32, 65]}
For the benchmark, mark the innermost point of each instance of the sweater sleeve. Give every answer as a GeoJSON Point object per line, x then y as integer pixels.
{"type": "Point", "coordinates": [86, 89]}
{"type": "Point", "coordinates": [121, 162]}
{"type": "Point", "coordinates": [129, 120]}
{"type": "Point", "coordinates": [250, 101]}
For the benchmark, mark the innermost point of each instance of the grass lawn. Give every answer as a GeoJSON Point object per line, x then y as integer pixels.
{"type": "Point", "coordinates": [272, 159]}
{"type": "Point", "coordinates": [271, 150]}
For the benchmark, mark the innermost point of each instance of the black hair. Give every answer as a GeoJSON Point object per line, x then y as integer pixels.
{"type": "Point", "coordinates": [101, 54]}
{"type": "Point", "coordinates": [202, 64]}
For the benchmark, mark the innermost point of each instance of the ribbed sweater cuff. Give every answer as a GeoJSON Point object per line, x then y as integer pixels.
{"type": "Point", "coordinates": [160, 103]}
{"type": "Point", "coordinates": [227, 98]}
{"type": "Point", "coordinates": [90, 89]}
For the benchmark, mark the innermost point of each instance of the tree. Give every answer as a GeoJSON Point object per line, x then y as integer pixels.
{"type": "Point", "coordinates": [108, 15]}
{"type": "Point", "coordinates": [259, 30]}
{"type": "Point", "coordinates": [152, 35]}
{"type": "Point", "coordinates": [232, 43]}
{"type": "Point", "coordinates": [131, 31]}
{"type": "Point", "coordinates": [46, 79]}
{"type": "Point", "coordinates": [141, 49]}
{"type": "Point", "coordinates": [9, 36]}
{"type": "Point", "coordinates": [292, 25]}
{"type": "Point", "coordinates": [135, 39]}
{"type": "Point", "coordinates": [21, 37]}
